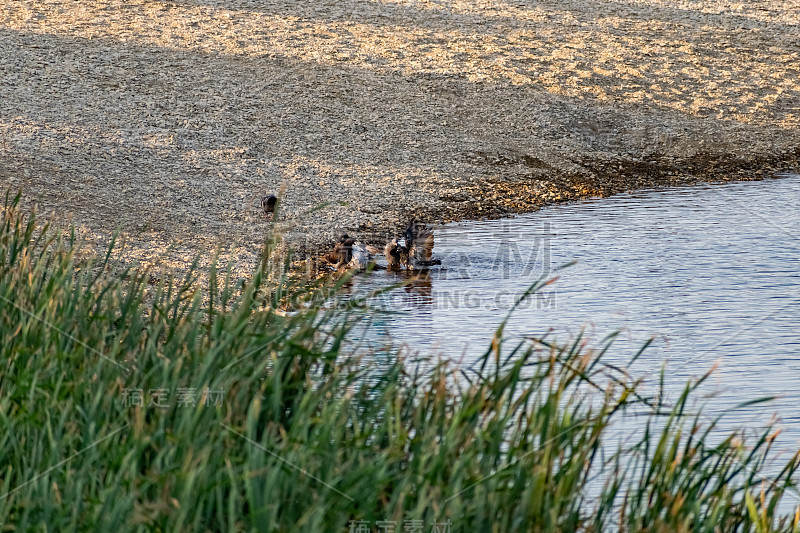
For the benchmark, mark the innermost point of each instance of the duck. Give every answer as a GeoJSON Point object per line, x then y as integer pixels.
{"type": "Point", "coordinates": [342, 251]}
{"type": "Point", "coordinates": [416, 250]}
{"type": "Point", "coordinates": [349, 253]}
{"type": "Point", "coordinates": [392, 254]}
{"type": "Point", "coordinates": [268, 202]}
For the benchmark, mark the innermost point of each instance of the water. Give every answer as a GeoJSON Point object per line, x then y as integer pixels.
{"type": "Point", "coordinates": [712, 272]}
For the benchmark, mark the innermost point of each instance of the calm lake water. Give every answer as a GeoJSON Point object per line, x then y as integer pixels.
{"type": "Point", "coordinates": [712, 272]}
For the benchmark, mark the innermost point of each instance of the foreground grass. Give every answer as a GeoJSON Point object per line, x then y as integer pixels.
{"type": "Point", "coordinates": [127, 406]}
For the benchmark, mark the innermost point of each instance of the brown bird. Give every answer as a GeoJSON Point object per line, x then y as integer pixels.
{"type": "Point", "coordinates": [343, 250]}
{"type": "Point", "coordinates": [392, 253]}
{"type": "Point", "coordinates": [349, 253]}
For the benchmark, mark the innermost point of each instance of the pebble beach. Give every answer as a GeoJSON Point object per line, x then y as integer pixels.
{"type": "Point", "coordinates": [168, 120]}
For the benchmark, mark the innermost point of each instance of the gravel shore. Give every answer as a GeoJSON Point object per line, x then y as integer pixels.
{"type": "Point", "coordinates": [170, 119]}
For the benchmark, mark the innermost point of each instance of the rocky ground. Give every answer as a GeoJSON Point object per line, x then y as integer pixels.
{"type": "Point", "coordinates": [169, 119]}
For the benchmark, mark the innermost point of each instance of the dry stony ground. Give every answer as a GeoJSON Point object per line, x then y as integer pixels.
{"type": "Point", "coordinates": [168, 119]}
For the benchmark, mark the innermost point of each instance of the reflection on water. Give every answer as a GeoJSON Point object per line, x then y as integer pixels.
{"type": "Point", "coordinates": [712, 272]}
{"type": "Point", "coordinates": [418, 288]}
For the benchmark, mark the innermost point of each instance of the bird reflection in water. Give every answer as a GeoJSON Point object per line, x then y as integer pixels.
{"type": "Point", "coordinates": [418, 286]}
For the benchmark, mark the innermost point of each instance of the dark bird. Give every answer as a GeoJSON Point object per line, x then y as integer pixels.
{"type": "Point", "coordinates": [268, 203]}
{"type": "Point", "coordinates": [416, 251]}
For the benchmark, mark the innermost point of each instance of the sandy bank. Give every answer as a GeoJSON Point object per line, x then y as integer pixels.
{"type": "Point", "coordinates": [170, 119]}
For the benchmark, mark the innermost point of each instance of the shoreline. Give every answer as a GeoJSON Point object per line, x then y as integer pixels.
{"type": "Point", "coordinates": [169, 121]}
{"type": "Point", "coordinates": [610, 177]}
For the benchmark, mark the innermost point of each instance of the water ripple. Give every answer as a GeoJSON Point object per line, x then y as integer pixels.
{"type": "Point", "coordinates": [713, 272]}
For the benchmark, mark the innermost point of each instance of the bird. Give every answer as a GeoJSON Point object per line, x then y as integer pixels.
{"type": "Point", "coordinates": [268, 202]}
{"type": "Point", "coordinates": [416, 250]}
{"type": "Point", "coordinates": [349, 253]}
{"type": "Point", "coordinates": [419, 243]}
{"type": "Point", "coordinates": [342, 251]}
{"type": "Point", "coordinates": [392, 253]}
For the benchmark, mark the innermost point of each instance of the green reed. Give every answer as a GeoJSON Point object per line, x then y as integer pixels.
{"type": "Point", "coordinates": [291, 430]}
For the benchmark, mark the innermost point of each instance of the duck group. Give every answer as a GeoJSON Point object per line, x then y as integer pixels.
{"type": "Point", "coordinates": [413, 250]}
